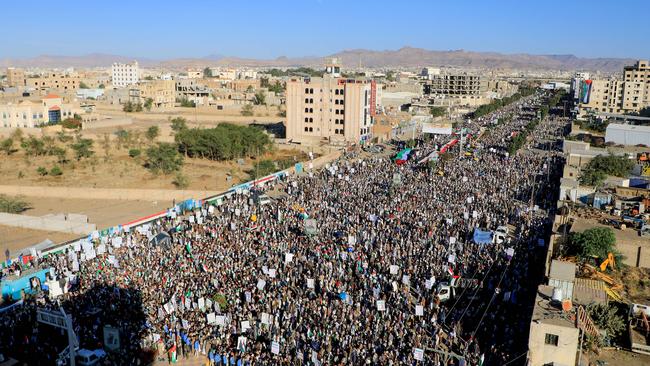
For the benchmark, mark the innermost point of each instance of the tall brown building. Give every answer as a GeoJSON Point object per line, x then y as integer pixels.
{"type": "Point", "coordinates": [330, 108]}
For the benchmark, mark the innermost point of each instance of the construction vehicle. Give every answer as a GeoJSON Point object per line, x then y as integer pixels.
{"type": "Point", "coordinates": [634, 221]}
{"type": "Point", "coordinates": [610, 261]}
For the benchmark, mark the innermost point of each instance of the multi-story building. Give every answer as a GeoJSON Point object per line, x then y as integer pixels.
{"type": "Point", "coordinates": [53, 81]}
{"type": "Point", "coordinates": [614, 95]}
{"type": "Point", "coordinates": [15, 77]}
{"type": "Point", "coordinates": [330, 107]}
{"type": "Point", "coordinates": [455, 84]}
{"type": "Point", "coordinates": [192, 90]}
{"type": "Point", "coordinates": [29, 114]}
{"type": "Point", "coordinates": [125, 74]}
{"type": "Point", "coordinates": [194, 74]}
{"type": "Point", "coordinates": [161, 92]}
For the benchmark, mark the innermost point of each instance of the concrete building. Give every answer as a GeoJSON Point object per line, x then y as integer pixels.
{"type": "Point", "coordinates": [15, 77]}
{"type": "Point", "coordinates": [30, 114]}
{"type": "Point", "coordinates": [53, 81]}
{"type": "Point", "coordinates": [161, 92]}
{"type": "Point", "coordinates": [90, 93]}
{"type": "Point", "coordinates": [553, 338]}
{"type": "Point", "coordinates": [455, 84]}
{"type": "Point", "coordinates": [630, 135]}
{"type": "Point", "coordinates": [125, 74]}
{"type": "Point", "coordinates": [330, 108]}
{"type": "Point", "coordinates": [192, 90]}
{"type": "Point", "coordinates": [629, 94]}
{"type": "Point", "coordinates": [194, 74]}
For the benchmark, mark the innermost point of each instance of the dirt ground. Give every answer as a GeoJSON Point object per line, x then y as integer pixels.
{"type": "Point", "coordinates": [112, 167]}
{"type": "Point", "coordinates": [14, 238]}
{"type": "Point", "coordinates": [615, 357]}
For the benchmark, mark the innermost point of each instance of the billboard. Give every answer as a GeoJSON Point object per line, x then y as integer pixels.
{"type": "Point", "coordinates": [373, 98]}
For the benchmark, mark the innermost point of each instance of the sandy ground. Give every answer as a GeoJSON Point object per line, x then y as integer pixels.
{"type": "Point", "coordinates": [617, 358]}
{"type": "Point", "coordinates": [14, 238]}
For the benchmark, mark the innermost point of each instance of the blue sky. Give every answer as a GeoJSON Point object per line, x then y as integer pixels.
{"type": "Point", "coordinates": [271, 28]}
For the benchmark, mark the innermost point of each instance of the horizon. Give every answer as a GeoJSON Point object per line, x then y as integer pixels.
{"type": "Point", "coordinates": [270, 30]}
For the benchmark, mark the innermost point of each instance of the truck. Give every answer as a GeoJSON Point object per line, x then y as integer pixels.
{"type": "Point", "coordinates": [447, 290]}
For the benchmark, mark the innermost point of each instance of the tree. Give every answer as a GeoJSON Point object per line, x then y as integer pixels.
{"type": "Point", "coordinates": [178, 124]}
{"type": "Point", "coordinates": [259, 98]}
{"type": "Point", "coordinates": [148, 103]}
{"type": "Point", "coordinates": [14, 205]}
{"type": "Point", "coordinates": [438, 111]}
{"type": "Point", "coordinates": [41, 171]}
{"type": "Point", "coordinates": [596, 242]}
{"type": "Point", "coordinates": [247, 110]}
{"type": "Point", "coordinates": [207, 72]}
{"type": "Point", "coordinates": [102, 86]}
{"type": "Point", "coordinates": [56, 171]}
{"type": "Point", "coordinates": [163, 158]}
{"type": "Point", "coordinates": [187, 103]}
{"type": "Point", "coordinates": [277, 88]}
{"type": "Point", "coordinates": [61, 155]}
{"type": "Point", "coordinates": [607, 318]}
{"type": "Point", "coordinates": [152, 133]}
{"type": "Point", "coordinates": [250, 89]}
{"type": "Point", "coordinates": [181, 181]}
{"type": "Point", "coordinates": [603, 165]}
{"type": "Point", "coordinates": [83, 85]}
{"type": "Point", "coordinates": [224, 142]}
{"type": "Point", "coordinates": [7, 146]}
{"type": "Point", "coordinates": [63, 137]}
{"type": "Point", "coordinates": [82, 148]}
{"type": "Point", "coordinates": [71, 124]}
{"type": "Point", "coordinates": [33, 146]}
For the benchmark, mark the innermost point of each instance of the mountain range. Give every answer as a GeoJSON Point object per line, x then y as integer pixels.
{"type": "Point", "coordinates": [407, 57]}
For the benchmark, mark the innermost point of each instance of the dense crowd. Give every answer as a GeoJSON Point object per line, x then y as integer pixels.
{"type": "Point", "coordinates": [362, 289]}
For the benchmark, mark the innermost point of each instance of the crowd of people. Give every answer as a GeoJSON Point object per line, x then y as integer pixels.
{"type": "Point", "coordinates": [344, 267]}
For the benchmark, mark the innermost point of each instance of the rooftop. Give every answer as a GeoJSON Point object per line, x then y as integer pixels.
{"type": "Point", "coordinates": [51, 96]}
{"type": "Point", "coordinates": [545, 312]}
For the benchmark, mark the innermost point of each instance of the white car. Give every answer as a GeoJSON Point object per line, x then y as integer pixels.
{"type": "Point", "coordinates": [87, 357]}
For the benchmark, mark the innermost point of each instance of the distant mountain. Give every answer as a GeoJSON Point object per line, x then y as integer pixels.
{"type": "Point", "coordinates": [403, 57]}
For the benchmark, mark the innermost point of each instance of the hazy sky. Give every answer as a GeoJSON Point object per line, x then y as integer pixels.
{"type": "Point", "coordinates": [272, 28]}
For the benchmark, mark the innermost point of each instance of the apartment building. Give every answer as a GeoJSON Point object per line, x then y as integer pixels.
{"type": "Point", "coordinates": [616, 95]}
{"type": "Point", "coordinates": [53, 81]}
{"type": "Point", "coordinates": [15, 77]}
{"type": "Point", "coordinates": [29, 114]}
{"type": "Point", "coordinates": [161, 92]}
{"type": "Point", "coordinates": [194, 74]}
{"type": "Point", "coordinates": [330, 108]}
{"type": "Point", "coordinates": [455, 84]}
{"type": "Point", "coordinates": [125, 74]}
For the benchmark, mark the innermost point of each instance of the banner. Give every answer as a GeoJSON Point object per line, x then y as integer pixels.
{"type": "Point", "coordinates": [482, 237]}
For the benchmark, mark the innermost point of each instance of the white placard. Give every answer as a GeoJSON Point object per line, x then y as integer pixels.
{"type": "Point", "coordinates": [101, 249]}
{"type": "Point", "coordinates": [248, 296]}
{"type": "Point", "coordinates": [220, 320]}
{"type": "Point", "coordinates": [201, 303]}
{"type": "Point", "coordinates": [261, 284]}
{"type": "Point", "coordinates": [272, 272]}
{"type": "Point", "coordinates": [275, 348]}
{"type": "Point", "coordinates": [406, 280]}
{"type": "Point", "coordinates": [394, 269]}
{"type": "Point", "coordinates": [428, 284]}
{"type": "Point", "coordinates": [418, 354]}
{"type": "Point", "coordinates": [288, 257]}
{"type": "Point", "coordinates": [451, 258]}
{"type": "Point", "coordinates": [212, 318]}
{"type": "Point", "coordinates": [381, 305]}
{"type": "Point", "coordinates": [266, 318]}
{"type": "Point", "coordinates": [452, 240]}
{"type": "Point", "coordinates": [245, 325]}
{"type": "Point", "coordinates": [419, 310]}
{"type": "Point", "coordinates": [310, 283]}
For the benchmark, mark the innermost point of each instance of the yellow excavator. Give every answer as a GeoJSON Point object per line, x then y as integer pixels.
{"type": "Point", "coordinates": [610, 261]}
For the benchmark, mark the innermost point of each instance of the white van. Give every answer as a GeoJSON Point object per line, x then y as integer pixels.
{"type": "Point", "coordinates": [85, 357]}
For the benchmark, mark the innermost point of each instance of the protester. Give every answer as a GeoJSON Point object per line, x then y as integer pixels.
{"type": "Point", "coordinates": [362, 290]}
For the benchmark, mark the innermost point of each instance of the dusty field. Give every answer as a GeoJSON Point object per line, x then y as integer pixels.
{"type": "Point", "coordinates": [617, 358]}
{"type": "Point", "coordinates": [112, 167]}
{"type": "Point", "coordinates": [14, 238]}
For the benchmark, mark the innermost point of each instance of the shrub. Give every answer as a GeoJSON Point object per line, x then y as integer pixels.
{"type": "Point", "coordinates": [134, 153]}
{"type": "Point", "coordinates": [163, 158]}
{"type": "Point", "coordinates": [56, 171]}
{"type": "Point", "coordinates": [41, 171]}
{"type": "Point", "coordinates": [13, 205]}
{"type": "Point", "coordinates": [181, 181]}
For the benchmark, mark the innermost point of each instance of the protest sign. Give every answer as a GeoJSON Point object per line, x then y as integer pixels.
{"type": "Point", "coordinates": [261, 284]}
{"type": "Point", "coordinates": [211, 318]}
{"type": "Point", "coordinates": [418, 354]}
{"type": "Point", "coordinates": [310, 283]}
{"type": "Point", "coordinates": [275, 348]}
{"type": "Point", "coordinates": [266, 318]}
{"type": "Point", "coordinates": [381, 305]}
{"type": "Point", "coordinates": [394, 269]}
{"type": "Point", "coordinates": [419, 310]}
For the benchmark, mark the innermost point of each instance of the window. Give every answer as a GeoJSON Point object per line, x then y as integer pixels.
{"type": "Point", "coordinates": [306, 110]}
{"type": "Point", "coordinates": [306, 90]}
{"type": "Point", "coordinates": [551, 339]}
{"type": "Point", "coordinates": [311, 110]}
{"type": "Point", "coordinates": [311, 129]}
{"type": "Point", "coordinates": [306, 119]}
{"type": "Point", "coordinates": [311, 91]}
{"type": "Point", "coordinates": [311, 120]}
{"type": "Point", "coordinates": [311, 100]}
{"type": "Point", "coordinates": [336, 131]}
{"type": "Point", "coordinates": [306, 100]}
{"type": "Point", "coordinates": [306, 129]}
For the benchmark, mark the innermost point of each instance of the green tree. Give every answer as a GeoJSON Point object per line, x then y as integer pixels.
{"type": "Point", "coordinates": [164, 158]}
{"type": "Point", "coordinates": [224, 142]}
{"type": "Point", "coordinates": [148, 103]}
{"type": "Point", "coordinates": [63, 137]}
{"type": "Point", "coordinates": [596, 242]}
{"type": "Point", "coordinates": [14, 205]}
{"type": "Point", "coordinates": [263, 168]}
{"type": "Point", "coordinates": [438, 111]}
{"type": "Point", "coordinates": [82, 148]}
{"type": "Point", "coordinates": [33, 146]}
{"type": "Point", "coordinates": [152, 133]}
{"type": "Point", "coordinates": [148, 78]}
{"type": "Point", "coordinates": [102, 86]}
{"type": "Point", "coordinates": [187, 103]}
{"type": "Point", "coordinates": [7, 146]}
{"type": "Point", "coordinates": [247, 110]}
{"type": "Point", "coordinates": [277, 87]}
{"type": "Point", "coordinates": [178, 124]}
{"type": "Point", "coordinates": [41, 171]}
{"type": "Point", "coordinates": [607, 318]}
{"type": "Point", "coordinates": [61, 155]}
{"type": "Point", "coordinates": [56, 171]}
{"type": "Point", "coordinates": [128, 107]}
{"type": "Point", "coordinates": [603, 165]}
{"type": "Point", "coordinates": [83, 85]}
{"type": "Point", "coordinates": [259, 98]}
{"type": "Point", "coordinates": [250, 89]}
{"type": "Point", "coordinates": [207, 72]}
